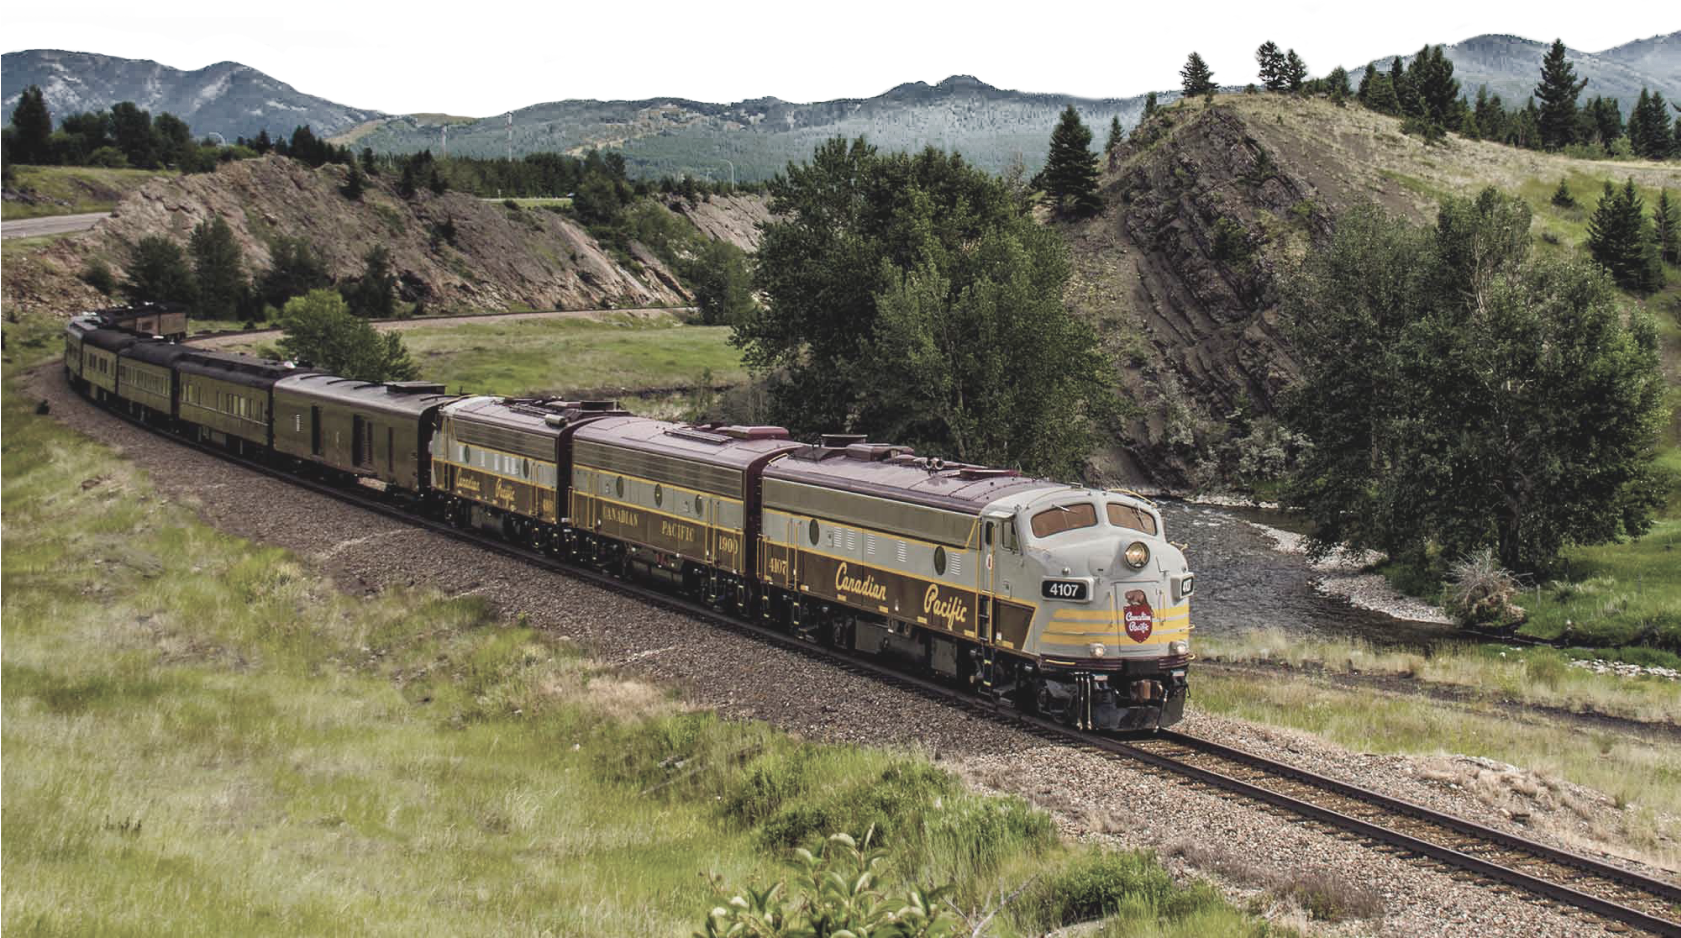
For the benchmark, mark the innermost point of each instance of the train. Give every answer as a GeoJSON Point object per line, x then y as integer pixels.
{"type": "Point", "coordinates": [1058, 599]}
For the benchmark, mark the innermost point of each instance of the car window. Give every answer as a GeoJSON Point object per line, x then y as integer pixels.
{"type": "Point", "coordinates": [1064, 518]}
{"type": "Point", "coordinates": [1126, 516]}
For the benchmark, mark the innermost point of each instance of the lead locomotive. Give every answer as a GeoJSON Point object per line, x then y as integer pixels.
{"type": "Point", "coordinates": [1054, 598]}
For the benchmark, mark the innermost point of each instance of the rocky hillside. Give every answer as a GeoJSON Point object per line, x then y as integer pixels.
{"type": "Point", "coordinates": [732, 218]}
{"type": "Point", "coordinates": [451, 251]}
{"type": "Point", "coordinates": [1201, 210]}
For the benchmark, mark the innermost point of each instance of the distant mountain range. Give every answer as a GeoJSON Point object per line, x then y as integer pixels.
{"type": "Point", "coordinates": [750, 139]}
{"type": "Point", "coordinates": [226, 98]}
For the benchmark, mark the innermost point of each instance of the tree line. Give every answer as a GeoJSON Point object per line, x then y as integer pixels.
{"type": "Point", "coordinates": [1430, 100]}
{"type": "Point", "coordinates": [126, 136]}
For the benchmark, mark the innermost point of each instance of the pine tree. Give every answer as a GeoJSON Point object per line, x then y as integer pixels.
{"type": "Point", "coordinates": [1438, 90]}
{"type": "Point", "coordinates": [354, 184]}
{"type": "Point", "coordinates": [1406, 98]}
{"type": "Point", "coordinates": [1070, 171]}
{"type": "Point", "coordinates": [1196, 78]}
{"type": "Point", "coordinates": [1666, 228]}
{"type": "Point", "coordinates": [1381, 95]}
{"type": "Point", "coordinates": [1655, 132]}
{"type": "Point", "coordinates": [1639, 122]}
{"type": "Point", "coordinates": [1115, 136]}
{"type": "Point", "coordinates": [158, 272]}
{"type": "Point", "coordinates": [1271, 62]}
{"type": "Point", "coordinates": [1619, 239]}
{"type": "Point", "coordinates": [32, 127]}
{"type": "Point", "coordinates": [1558, 91]}
{"type": "Point", "coordinates": [1562, 197]}
{"type": "Point", "coordinates": [1295, 72]}
{"type": "Point", "coordinates": [262, 144]}
{"type": "Point", "coordinates": [372, 295]}
{"type": "Point", "coordinates": [1336, 84]}
{"type": "Point", "coordinates": [217, 269]}
{"type": "Point", "coordinates": [1150, 105]}
{"type": "Point", "coordinates": [1364, 94]}
{"type": "Point", "coordinates": [369, 166]}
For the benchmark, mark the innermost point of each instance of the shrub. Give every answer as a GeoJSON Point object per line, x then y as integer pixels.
{"type": "Point", "coordinates": [1562, 197]}
{"type": "Point", "coordinates": [98, 275]}
{"type": "Point", "coordinates": [843, 888]}
{"type": "Point", "coordinates": [1480, 592]}
{"type": "Point", "coordinates": [108, 158]}
{"type": "Point", "coordinates": [1231, 241]}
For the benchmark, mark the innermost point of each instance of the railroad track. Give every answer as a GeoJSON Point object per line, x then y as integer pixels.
{"type": "Point", "coordinates": [1593, 886]}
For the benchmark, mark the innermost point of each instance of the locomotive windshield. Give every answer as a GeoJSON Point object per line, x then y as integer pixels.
{"type": "Point", "coordinates": [1062, 518]}
{"type": "Point", "coordinates": [1128, 516]}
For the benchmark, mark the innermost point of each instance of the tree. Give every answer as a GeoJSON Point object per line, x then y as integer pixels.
{"type": "Point", "coordinates": [353, 184]}
{"type": "Point", "coordinates": [262, 144]}
{"type": "Point", "coordinates": [1196, 78]}
{"type": "Point", "coordinates": [1558, 91]}
{"type": "Point", "coordinates": [1149, 106]}
{"type": "Point", "coordinates": [174, 140]}
{"type": "Point", "coordinates": [373, 295]}
{"type": "Point", "coordinates": [1115, 136]}
{"type": "Point", "coordinates": [1648, 126]}
{"type": "Point", "coordinates": [1271, 62]}
{"type": "Point", "coordinates": [32, 125]}
{"type": "Point", "coordinates": [1336, 85]}
{"type": "Point", "coordinates": [1562, 197]}
{"type": "Point", "coordinates": [320, 330]}
{"type": "Point", "coordinates": [908, 295]}
{"type": "Point", "coordinates": [1295, 72]}
{"type": "Point", "coordinates": [1406, 96]}
{"type": "Point", "coordinates": [1461, 395]}
{"type": "Point", "coordinates": [1070, 176]}
{"type": "Point", "coordinates": [1366, 79]}
{"type": "Point", "coordinates": [1381, 97]}
{"type": "Point", "coordinates": [295, 269]}
{"type": "Point", "coordinates": [1438, 91]}
{"type": "Point", "coordinates": [722, 282]}
{"type": "Point", "coordinates": [158, 273]}
{"type": "Point", "coordinates": [132, 129]}
{"type": "Point", "coordinates": [369, 164]}
{"type": "Point", "coordinates": [1666, 228]}
{"type": "Point", "coordinates": [217, 269]}
{"type": "Point", "coordinates": [1621, 242]}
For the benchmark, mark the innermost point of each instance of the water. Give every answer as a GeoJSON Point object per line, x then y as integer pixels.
{"type": "Point", "coordinates": [1243, 583]}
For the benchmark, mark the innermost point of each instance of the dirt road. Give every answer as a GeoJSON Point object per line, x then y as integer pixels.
{"type": "Point", "coordinates": [51, 225]}
{"type": "Point", "coordinates": [400, 325]}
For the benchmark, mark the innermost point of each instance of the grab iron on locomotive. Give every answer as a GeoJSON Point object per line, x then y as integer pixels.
{"type": "Point", "coordinates": [1059, 599]}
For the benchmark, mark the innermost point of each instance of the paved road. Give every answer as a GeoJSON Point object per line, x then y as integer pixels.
{"type": "Point", "coordinates": [51, 225]}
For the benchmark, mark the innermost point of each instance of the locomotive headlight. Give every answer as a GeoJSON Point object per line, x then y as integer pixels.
{"type": "Point", "coordinates": [1179, 648]}
{"type": "Point", "coordinates": [1137, 555]}
{"type": "Point", "coordinates": [1097, 650]}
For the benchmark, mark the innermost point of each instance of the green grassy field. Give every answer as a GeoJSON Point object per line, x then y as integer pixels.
{"type": "Point", "coordinates": [75, 189]}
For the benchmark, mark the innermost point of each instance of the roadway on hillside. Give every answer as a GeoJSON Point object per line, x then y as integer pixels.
{"type": "Point", "coordinates": [225, 339]}
{"type": "Point", "coordinates": [50, 225]}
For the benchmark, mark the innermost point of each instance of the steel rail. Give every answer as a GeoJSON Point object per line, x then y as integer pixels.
{"type": "Point", "coordinates": [1660, 894]}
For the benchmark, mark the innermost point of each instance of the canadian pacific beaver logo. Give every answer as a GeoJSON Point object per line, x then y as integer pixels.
{"type": "Point", "coordinates": [1139, 619]}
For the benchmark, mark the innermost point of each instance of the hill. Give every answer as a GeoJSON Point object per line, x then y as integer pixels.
{"type": "Point", "coordinates": [452, 251]}
{"type": "Point", "coordinates": [675, 136]}
{"type": "Point", "coordinates": [1511, 65]}
{"type": "Point", "coordinates": [227, 98]}
{"type": "Point", "coordinates": [1202, 208]}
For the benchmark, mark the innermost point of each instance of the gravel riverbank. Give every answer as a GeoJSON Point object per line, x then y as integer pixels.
{"type": "Point", "coordinates": [1092, 796]}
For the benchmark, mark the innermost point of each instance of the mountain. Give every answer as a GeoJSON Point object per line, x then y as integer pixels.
{"type": "Point", "coordinates": [227, 98]}
{"type": "Point", "coordinates": [674, 136]}
{"type": "Point", "coordinates": [1511, 65]}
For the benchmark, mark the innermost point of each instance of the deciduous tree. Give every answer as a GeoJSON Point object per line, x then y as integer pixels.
{"type": "Point", "coordinates": [321, 330]}
{"type": "Point", "coordinates": [1460, 394]}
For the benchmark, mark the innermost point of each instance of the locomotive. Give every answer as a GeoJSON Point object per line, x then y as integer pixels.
{"type": "Point", "coordinates": [1058, 599]}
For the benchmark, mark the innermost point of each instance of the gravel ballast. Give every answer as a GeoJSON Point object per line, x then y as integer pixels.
{"type": "Point", "coordinates": [1091, 795]}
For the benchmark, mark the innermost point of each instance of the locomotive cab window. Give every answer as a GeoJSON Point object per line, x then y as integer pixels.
{"type": "Point", "coordinates": [1127, 516]}
{"type": "Point", "coordinates": [1053, 521]}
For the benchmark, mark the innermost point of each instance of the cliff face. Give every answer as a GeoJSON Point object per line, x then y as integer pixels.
{"type": "Point", "coordinates": [1178, 273]}
{"type": "Point", "coordinates": [451, 251]}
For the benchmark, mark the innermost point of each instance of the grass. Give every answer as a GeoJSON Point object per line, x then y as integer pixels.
{"type": "Point", "coordinates": [609, 352]}
{"type": "Point", "coordinates": [1540, 676]}
{"type": "Point", "coordinates": [1642, 779]}
{"type": "Point", "coordinates": [535, 201]}
{"type": "Point", "coordinates": [75, 189]}
{"type": "Point", "coordinates": [203, 737]}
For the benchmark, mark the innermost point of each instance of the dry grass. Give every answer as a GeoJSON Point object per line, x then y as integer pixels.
{"type": "Point", "coordinates": [1323, 895]}
{"type": "Point", "coordinates": [1538, 676]}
